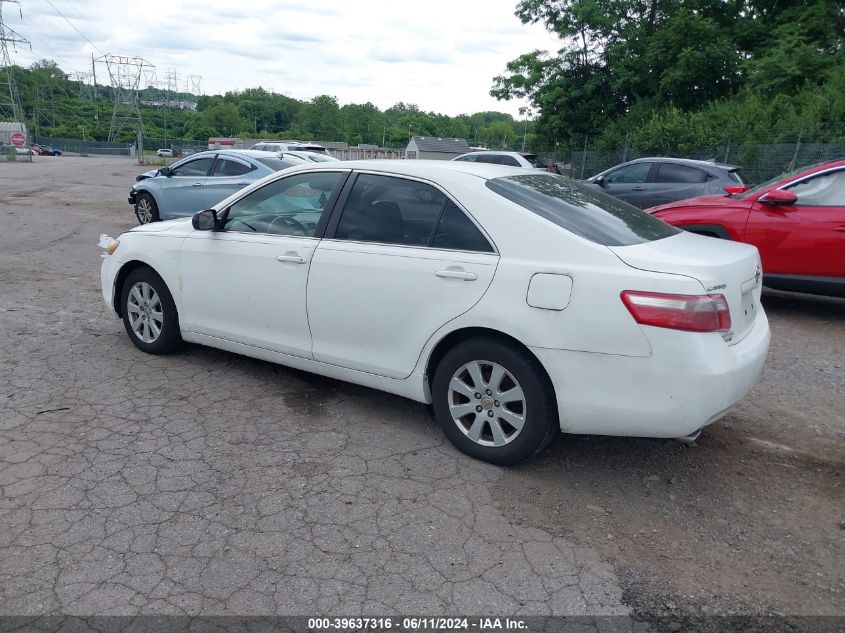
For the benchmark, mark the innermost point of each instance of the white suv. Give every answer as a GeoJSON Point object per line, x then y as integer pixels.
{"type": "Point", "coordinates": [164, 153]}
{"type": "Point", "coordinates": [289, 146]}
{"type": "Point", "coordinates": [511, 159]}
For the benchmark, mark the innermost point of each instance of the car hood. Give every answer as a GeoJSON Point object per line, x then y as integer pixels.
{"type": "Point", "coordinates": [702, 201]}
{"type": "Point", "coordinates": [181, 226]}
{"type": "Point", "coordinates": [147, 174]}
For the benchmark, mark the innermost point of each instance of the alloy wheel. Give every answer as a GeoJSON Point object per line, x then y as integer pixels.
{"type": "Point", "coordinates": [487, 403]}
{"type": "Point", "coordinates": [146, 316]}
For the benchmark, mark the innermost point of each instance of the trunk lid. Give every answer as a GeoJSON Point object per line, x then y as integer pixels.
{"type": "Point", "coordinates": [721, 266]}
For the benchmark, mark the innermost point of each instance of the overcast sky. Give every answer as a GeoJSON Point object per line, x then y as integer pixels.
{"type": "Point", "coordinates": [439, 54]}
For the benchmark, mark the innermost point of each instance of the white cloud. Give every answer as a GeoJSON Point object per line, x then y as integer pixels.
{"type": "Point", "coordinates": [441, 55]}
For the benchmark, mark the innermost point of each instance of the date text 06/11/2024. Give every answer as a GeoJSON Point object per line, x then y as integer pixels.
{"type": "Point", "coordinates": [416, 624]}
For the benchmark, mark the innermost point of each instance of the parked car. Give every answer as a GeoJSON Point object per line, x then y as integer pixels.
{"type": "Point", "coordinates": [314, 157]}
{"type": "Point", "coordinates": [796, 221]}
{"type": "Point", "coordinates": [25, 151]}
{"type": "Point", "coordinates": [646, 182]}
{"type": "Point", "coordinates": [164, 152]}
{"type": "Point", "coordinates": [56, 151]}
{"type": "Point", "coordinates": [198, 182]}
{"type": "Point", "coordinates": [518, 304]}
{"type": "Point", "coordinates": [41, 150]}
{"type": "Point", "coordinates": [511, 159]}
{"type": "Point", "coordinates": [289, 146]}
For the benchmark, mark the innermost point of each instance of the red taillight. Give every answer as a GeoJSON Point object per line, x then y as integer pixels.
{"type": "Point", "coordinates": [693, 313]}
{"type": "Point", "coordinates": [735, 189]}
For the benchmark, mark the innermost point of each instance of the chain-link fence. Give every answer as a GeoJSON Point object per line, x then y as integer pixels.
{"type": "Point", "coordinates": [759, 161]}
{"type": "Point", "coordinates": [79, 146]}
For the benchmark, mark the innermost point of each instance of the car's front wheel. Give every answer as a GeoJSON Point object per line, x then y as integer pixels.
{"type": "Point", "coordinates": [149, 312]}
{"type": "Point", "coordinates": [494, 401]}
{"type": "Point", "coordinates": [146, 209]}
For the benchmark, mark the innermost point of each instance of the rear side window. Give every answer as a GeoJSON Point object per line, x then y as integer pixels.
{"type": "Point", "coordinates": [504, 159]}
{"type": "Point", "coordinates": [277, 164]}
{"type": "Point", "coordinates": [225, 167]}
{"type": "Point", "coordinates": [470, 158]}
{"type": "Point", "coordinates": [580, 209]}
{"type": "Point", "coordinates": [672, 172]}
{"type": "Point", "coordinates": [456, 231]}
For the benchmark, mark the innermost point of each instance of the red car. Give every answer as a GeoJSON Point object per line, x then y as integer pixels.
{"type": "Point", "coordinates": [796, 221]}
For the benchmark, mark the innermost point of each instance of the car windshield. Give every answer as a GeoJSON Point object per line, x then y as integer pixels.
{"type": "Point", "coordinates": [590, 214]}
{"type": "Point", "coordinates": [276, 164]}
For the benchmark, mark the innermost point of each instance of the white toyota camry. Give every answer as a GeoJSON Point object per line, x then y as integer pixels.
{"type": "Point", "coordinates": [518, 305]}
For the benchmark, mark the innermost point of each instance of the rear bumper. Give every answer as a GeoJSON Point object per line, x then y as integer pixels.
{"type": "Point", "coordinates": [689, 381]}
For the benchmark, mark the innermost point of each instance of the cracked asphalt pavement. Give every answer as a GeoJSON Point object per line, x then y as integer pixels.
{"type": "Point", "coordinates": [208, 483]}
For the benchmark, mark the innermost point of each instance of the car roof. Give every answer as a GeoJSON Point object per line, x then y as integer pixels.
{"type": "Point", "coordinates": [420, 168]}
{"type": "Point", "coordinates": [498, 153]}
{"type": "Point", "coordinates": [693, 162]}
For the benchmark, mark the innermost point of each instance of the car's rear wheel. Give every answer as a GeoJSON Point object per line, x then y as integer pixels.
{"type": "Point", "coordinates": [149, 312]}
{"type": "Point", "coordinates": [146, 209]}
{"type": "Point", "coordinates": [494, 401]}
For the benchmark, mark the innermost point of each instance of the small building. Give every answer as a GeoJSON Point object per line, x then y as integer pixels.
{"type": "Point", "coordinates": [430, 147]}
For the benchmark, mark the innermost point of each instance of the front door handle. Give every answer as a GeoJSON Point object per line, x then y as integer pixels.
{"type": "Point", "coordinates": [840, 229]}
{"type": "Point", "coordinates": [456, 274]}
{"type": "Point", "coordinates": [197, 184]}
{"type": "Point", "coordinates": [638, 189]}
{"type": "Point", "coordinates": [244, 183]}
{"type": "Point", "coordinates": [294, 259]}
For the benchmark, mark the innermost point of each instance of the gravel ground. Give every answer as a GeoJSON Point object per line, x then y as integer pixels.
{"type": "Point", "coordinates": [205, 482]}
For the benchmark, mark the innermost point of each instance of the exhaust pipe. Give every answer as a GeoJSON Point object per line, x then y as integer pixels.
{"type": "Point", "coordinates": [689, 440]}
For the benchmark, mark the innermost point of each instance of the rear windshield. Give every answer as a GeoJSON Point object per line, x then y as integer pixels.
{"type": "Point", "coordinates": [276, 164]}
{"type": "Point", "coordinates": [579, 209]}
{"type": "Point", "coordinates": [535, 161]}
{"type": "Point", "coordinates": [737, 175]}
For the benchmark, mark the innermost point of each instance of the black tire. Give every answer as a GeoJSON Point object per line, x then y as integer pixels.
{"type": "Point", "coordinates": [540, 412]}
{"type": "Point", "coordinates": [169, 338]}
{"type": "Point", "coordinates": [146, 209]}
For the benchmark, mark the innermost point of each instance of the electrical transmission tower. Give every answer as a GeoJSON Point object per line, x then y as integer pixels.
{"type": "Point", "coordinates": [125, 74]}
{"type": "Point", "coordinates": [10, 103]}
{"type": "Point", "coordinates": [194, 81]}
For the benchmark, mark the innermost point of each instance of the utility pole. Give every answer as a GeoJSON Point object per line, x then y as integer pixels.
{"type": "Point", "coordinates": [10, 105]}
{"type": "Point", "coordinates": [125, 74]}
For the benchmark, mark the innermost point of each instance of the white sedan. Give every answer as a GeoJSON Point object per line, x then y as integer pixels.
{"type": "Point", "coordinates": [517, 304]}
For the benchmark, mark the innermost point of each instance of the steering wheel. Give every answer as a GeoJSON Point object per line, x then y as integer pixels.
{"type": "Point", "coordinates": [295, 225]}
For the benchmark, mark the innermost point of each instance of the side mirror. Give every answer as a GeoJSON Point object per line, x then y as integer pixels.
{"type": "Point", "coordinates": [165, 171]}
{"type": "Point", "coordinates": [205, 220]}
{"type": "Point", "coordinates": [599, 180]}
{"type": "Point", "coordinates": [778, 197]}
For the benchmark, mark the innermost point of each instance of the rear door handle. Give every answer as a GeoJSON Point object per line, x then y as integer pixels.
{"type": "Point", "coordinates": [840, 229]}
{"type": "Point", "coordinates": [456, 274]}
{"type": "Point", "coordinates": [197, 184]}
{"type": "Point", "coordinates": [294, 259]}
{"type": "Point", "coordinates": [638, 189]}
{"type": "Point", "coordinates": [244, 183]}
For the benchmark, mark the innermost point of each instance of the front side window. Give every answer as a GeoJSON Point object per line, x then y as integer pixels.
{"type": "Point", "coordinates": [226, 167]}
{"type": "Point", "coordinates": [290, 206]}
{"type": "Point", "coordinates": [198, 167]}
{"type": "Point", "coordinates": [672, 172]}
{"type": "Point", "coordinates": [582, 210]}
{"type": "Point", "coordinates": [470, 158]}
{"type": "Point", "coordinates": [824, 190]}
{"type": "Point", "coordinates": [390, 210]}
{"type": "Point", "coordinates": [636, 173]}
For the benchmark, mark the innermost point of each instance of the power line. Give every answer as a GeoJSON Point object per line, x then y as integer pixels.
{"type": "Point", "coordinates": [74, 27]}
